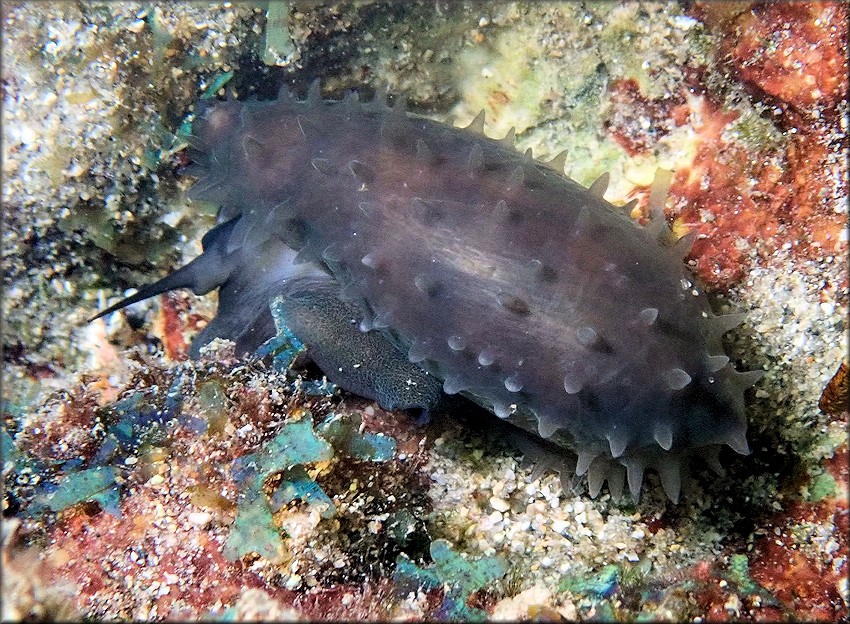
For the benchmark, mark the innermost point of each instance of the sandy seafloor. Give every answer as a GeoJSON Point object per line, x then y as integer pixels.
{"type": "Point", "coordinates": [121, 496]}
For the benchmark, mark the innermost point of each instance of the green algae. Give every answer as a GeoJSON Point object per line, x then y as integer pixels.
{"type": "Point", "coordinates": [297, 484]}
{"type": "Point", "coordinates": [598, 585]}
{"type": "Point", "coordinates": [371, 446]}
{"type": "Point", "coordinates": [141, 424]}
{"type": "Point", "coordinates": [345, 435]}
{"type": "Point", "coordinates": [401, 525]}
{"type": "Point", "coordinates": [161, 36]}
{"type": "Point", "coordinates": [285, 456]}
{"type": "Point", "coordinates": [9, 451]}
{"type": "Point", "coordinates": [756, 133]}
{"type": "Point", "coordinates": [459, 577]}
{"type": "Point", "coordinates": [217, 83]}
{"type": "Point", "coordinates": [296, 443]}
{"type": "Point", "coordinates": [283, 347]}
{"type": "Point", "coordinates": [96, 223]}
{"type": "Point", "coordinates": [822, 486]}
{"type": "Point", "coordinates": [278, 47]}
{"type": "Point", "coordinates": [254, 530]}
{"type": "Point", "coordinates": [142, 420]}
{"type": "Point", "coordinates": [315, 387]}
{"type": "Point", "coordinates": [503, 83]}
{"type": "Point", "coordinates": [135, 424]}
{"type": "Point", "coordinates": [94, 484]}
{"type": "Point", "coordinates": [738, 574]}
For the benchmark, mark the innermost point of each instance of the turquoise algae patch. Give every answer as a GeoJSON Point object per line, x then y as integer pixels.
{"type": "Point", "coordinates": [345, 434]}
{"type": "Point", "coordinates": [298, 444]}
{"type": "Point", "coordinates": [739, 577]}
{"type": "Point", "coordinates": [601, 584]}
{"type": "Point", "coordinates": [254, 530]}
{"type": "Point", "coordinates": [594, 588]}
{"type": "Point", "coordinates": [279, 47]}
{"type": "Point", "coordinates": [458, 576]}
{"type": "Point", "coordinates": [14, 460]}
{"type": "Point", "coordinates": [284, 348]}
{"type": "Point", "coordinates": [143, 419]}
{"type": "Point", "coordinates": [297, 484]}
{"type": "Point", "coordinates": [217, 83]}
{"type": "Point", "coordinates": [94, 484]}
{"type": "Point", "coordinates": [295, 444]}
{"type": "Point", "coordinates": [149, 418]}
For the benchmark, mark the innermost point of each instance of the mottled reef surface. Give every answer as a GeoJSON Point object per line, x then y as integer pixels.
{"type": "Point", "coordinates": [139, 484]}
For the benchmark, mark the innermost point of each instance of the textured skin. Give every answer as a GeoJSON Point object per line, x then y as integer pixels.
{"type": "Point", "coordinates": [366, 362]}
{"type": "Point", "coordinates": [514, 285]}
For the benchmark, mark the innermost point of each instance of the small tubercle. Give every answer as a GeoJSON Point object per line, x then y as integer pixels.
{"type": "Point", "coordinates": [477, 123]}
{"type": "Point", "coordinates": [424, 152]}
{"type": "Point", "coordinates": [586, 336]}
{"type": "Point", "coordinates": [634, 471]}
{"type": "Point", "coordinates": [715, 362]}
{"type": "Point", "coordinates": [486, 357]}
{"type": "Point", "coordinates": [572, 385]}
{"type": "Point", "coordinates": [676, 378]}
{"type": "Point", "coordinates": [418, 352]}
{"type": "Point", "coordinates": [476, 158]}
{"type": "Point", "coordinates": [513, 383]}
{"type": "Point", "coordinates": [663, 436]}
{"type": "Point", "coordinates": [516, 179]}
{"type": "Point", "coordinates": [600, 185]}
{"type": "Point", "coordinates": [669, 474]}
{"type": "Point", "coordinates": [648, 315]}
{"type": "Point", "coordinates": [657, 226]}
{"type": "Point", "coordinates": [426, 284]}
{"type": "Point", "coordinates": [585, 459]}
{"type": "Point", "coordinates": [502, 410]}
{"type": "Point", "coordinates": [546, 427]}
{"type": "Point", "coordinates": [618, 443]}
{"type": "Point", "coordinates": [737, 441]}
{"type": "Point", "coordinates": [558, 162]}
{"type": "Point", "coordinates": [456, 343]}
{"type": "Point", "coordinates": [453, 384]}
